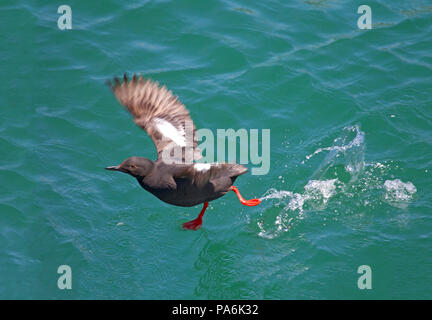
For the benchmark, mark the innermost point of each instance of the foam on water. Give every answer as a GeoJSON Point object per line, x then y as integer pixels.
{"type": "Point", "coordinates": [316, 195]}
{"type": "Point", "coordinates": [339, 143]}
{"type": "Point", "coordinates": [363, 184]}
{"type": "Point", "coordinates": [325, 188]}
{"type": "Point", "coordinates": [398, 193]}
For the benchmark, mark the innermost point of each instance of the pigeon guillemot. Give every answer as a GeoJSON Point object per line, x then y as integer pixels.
{"type": "Point", "coordinates": [164, 118]}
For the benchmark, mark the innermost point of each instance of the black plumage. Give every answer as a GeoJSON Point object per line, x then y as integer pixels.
{"type": "Point", "coordinates": [174, 177]}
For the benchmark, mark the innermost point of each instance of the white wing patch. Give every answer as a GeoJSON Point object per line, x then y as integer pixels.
{"type": "Point", "coordinates": [170, 132]}
{"type": "Point", "coordinates": [202, 166]}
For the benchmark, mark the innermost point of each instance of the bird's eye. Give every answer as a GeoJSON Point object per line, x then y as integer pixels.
{"type": "Point", "coordinates": [133, 166]}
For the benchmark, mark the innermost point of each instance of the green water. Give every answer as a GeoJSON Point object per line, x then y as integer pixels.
{"type": "Point", "coordinates": [350, 114]}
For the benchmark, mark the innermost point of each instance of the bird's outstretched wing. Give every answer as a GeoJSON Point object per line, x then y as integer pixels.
{"type": "Point", "coordinates": [162, 115]}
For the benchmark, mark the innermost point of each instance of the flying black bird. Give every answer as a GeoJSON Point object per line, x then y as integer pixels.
{"type": "Point", "coordinates": [174, 178]}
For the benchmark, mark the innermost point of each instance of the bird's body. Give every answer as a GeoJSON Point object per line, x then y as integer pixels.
{"type": "Point", "coordinates": [190, 185]}
{"type": "Point", "coordinates": [174, 177]}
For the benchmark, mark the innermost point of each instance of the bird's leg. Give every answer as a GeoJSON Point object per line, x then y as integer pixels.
{"type": "Point", "coordinates": [250, 202]}
{"type": "Point", "coordinates": [196, 223]}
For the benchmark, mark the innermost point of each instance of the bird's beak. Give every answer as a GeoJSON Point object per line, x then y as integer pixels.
{"type": "Point", "coordinates": [113, 168]}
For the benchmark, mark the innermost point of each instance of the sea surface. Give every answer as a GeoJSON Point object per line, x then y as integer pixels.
{"type": "Point", "coordinates": [350, 180]}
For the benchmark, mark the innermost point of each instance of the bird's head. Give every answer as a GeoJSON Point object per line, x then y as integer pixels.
{"type": "Point", "coordinates": [135, 166]}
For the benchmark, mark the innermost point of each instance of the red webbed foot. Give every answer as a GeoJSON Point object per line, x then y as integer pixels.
{"type": "Point", "coordinates": [250, 202]}
{"type": "Point", "coordinates": [193, 224]}
{"type": "Point", "coordinates": [196, 223]}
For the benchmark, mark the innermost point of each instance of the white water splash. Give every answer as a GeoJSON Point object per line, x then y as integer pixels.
{"type": "Point", "coordinates": [343, 172]}
{"type": "Point", "coordinates": [316, 194]}
{"type": "Point", "coordinates": [338, 143]}
{"type": "Point", "coordinates": [275, 194]}
{"type": "Point", "coordinates": [325, 188]}
{"type": "Point", "coordinates": [398, 193]}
